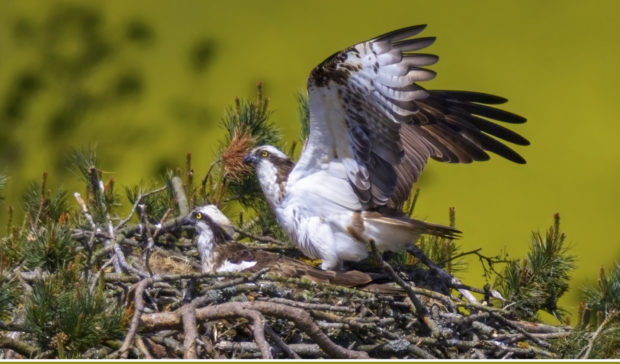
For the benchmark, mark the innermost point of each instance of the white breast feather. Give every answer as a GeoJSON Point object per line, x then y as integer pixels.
{"type": "Point", "coordinates": [229, 267]}
{"type": "Point", "coordinates": [206, 245]}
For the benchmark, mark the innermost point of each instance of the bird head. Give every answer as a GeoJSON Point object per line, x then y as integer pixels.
{"type": "Point", "coordinates": [272, 169]}
{"type": "Point", "coordinates": [209, 219]}
{"type": "Point", "coordinates": [266, 154]}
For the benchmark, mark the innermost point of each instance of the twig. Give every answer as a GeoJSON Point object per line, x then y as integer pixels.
{"type": "Point", "coordinates": [171, 224]}
{"type": "Point", "coordinates": [95, 279]}
{"type": "Point", "coordinates": [143, 349]}
{"type": "Point", "coordinates": [91, 221]}
{"type": "Point", "coordinates": [135, 320]}
{"type": "Point", "coordinates": [135, 205]}
{"type": "Point", "coordinates": [20, 347]}
{"type": "Point", "coordinates": [307, 350]}
{"type": "Point", "coordinates": [420, 310]}
{"type": "Point", "coordinates": [281, 344]}
{"type": "Point", "coordinates": [448, 278]}
{"type": "Point", "coordinates": [120, 259]}
{"type": "Point", "coordinates": [265, 239]}
{"type": "Point", "coordinates": [245, 277]}
{"type": "Point", "coordinates": [200, 301]}
{"type": "Point", "coordinates": [311, 306]}
{"type": "Point", "coordinates": [503, 320]}
{"type": "Point", "coordinates": [598, 331]}
{"type": "Point", "coordinates": [396, 347]}
{"type": "Point", "coordinates": [258, 329]}
{"type": "Point", "coordinates": [179, 192]}
{"type": "Point", "coordinates": [203, 182]}
{"type": "Point", "coordinates": [150, 243]}
{"type": "Point", "coordinates": [538, 327]}
{"type": "Point", "coordinates": [84, 210]}
{"type": "Point", "coordinates": [7, 326]}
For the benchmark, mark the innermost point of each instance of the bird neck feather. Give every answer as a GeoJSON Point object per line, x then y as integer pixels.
{"type": "Point", "coordinates": [272, 179]}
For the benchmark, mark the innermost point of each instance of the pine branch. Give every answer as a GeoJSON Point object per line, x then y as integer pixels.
{"type": "Point", "coordinates": [538, 281]}
{"type": "Point", "coordinates": [303, 110]}
{"type": "Point", "coordinates": [3, 180]}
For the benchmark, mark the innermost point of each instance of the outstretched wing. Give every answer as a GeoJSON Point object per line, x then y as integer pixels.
{"type": "Point", "coordinates": [368, 113]}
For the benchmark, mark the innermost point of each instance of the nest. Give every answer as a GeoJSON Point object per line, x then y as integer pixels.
{"type": "Point", "coordinates": [178, 312]}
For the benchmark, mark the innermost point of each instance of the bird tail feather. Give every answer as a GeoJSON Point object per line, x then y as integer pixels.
{"type": "Point", "coordinates": [394, 233]}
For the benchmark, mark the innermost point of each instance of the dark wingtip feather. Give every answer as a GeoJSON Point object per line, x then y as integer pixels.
{"type": "Point", "coordinates": [415, 44]}
{"type": "Point", "coordinates": [470, 96]}
{"type": "Point", "coordinates": [509, 154]}
{"type": "Point", "coordinates": [401, 33]}
{"type": "Point", "coordinates": [490, 112]}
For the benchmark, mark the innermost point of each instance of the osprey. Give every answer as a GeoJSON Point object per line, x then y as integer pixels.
{"type": "Point", "coordinates": [372, 130]}
{"type": "Point", "coordinates": [219, 253]}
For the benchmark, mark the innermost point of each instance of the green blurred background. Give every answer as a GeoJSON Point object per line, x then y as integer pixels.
{"type": "Point", "coordinates": [148, 81]}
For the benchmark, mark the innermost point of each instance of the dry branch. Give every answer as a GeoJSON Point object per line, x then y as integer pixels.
{"type": "Point", "coordinates": [303, 320]}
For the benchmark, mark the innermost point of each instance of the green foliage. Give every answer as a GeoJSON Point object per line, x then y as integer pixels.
{"type": "Point", "coordinates": [9, 295]}
{"type": "Point", "coordinates": [247, 125]}
{"type": "Point", "coordinates": [156, 205]}
{"type": "Point", "coordinates": [252, 118]}
{"type": "Point", "coordinates": [66, 317]}
{"type": "Point", "coordinates": [597, 334]}
{"type": "Point", "coordinates": [601, 315]}
{"type": "Point", "coordinates": [229, 181]}
{"type": "Point", "coordinates": [538, 281]}
{"type": "Point", "coordinates": [604, 298]}
{"type": "Point", "coordinates": [303, 110]}
{"type": "Point", "coordinates": [48, 248]}
{"type": "Point", "coordinates": [3, 180]}
{"type": "Point", "coordinates": [84, 163]}
{"type": "Point", "coordinates": [40, 206]}
{"type": "Point", "coordinates": [444, 252]}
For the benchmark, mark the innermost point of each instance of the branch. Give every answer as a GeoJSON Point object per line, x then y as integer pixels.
{"type": "Point", "coordinates": [135, 205]}
{"type": "Point", "coordinates": [312, 306]}
{"type": "Point", "coordinates": [264, 239]}
{"type": "Point", "coordinates": [598, 331]}
{"type": "Point", "coordinates": [449, 279]}
{"type": "Point", "coordinates": [420, 310]}
{"type": "Point", "coordinates": [281, 344]}
{"type": "Point", "coordinates": [179, 192]}
{"type": "Point", "coordinates": [135, 320]}
{"type": "Point", "coordinates": [18, 346]}
{"type": "Point", "coordinates": [188, 313]}
{"type": "Point", "coordinates": [301, 318]}
{"type": "Point", "coordinates": [311, 350]}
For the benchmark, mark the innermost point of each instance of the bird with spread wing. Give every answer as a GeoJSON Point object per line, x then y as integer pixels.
{"type": "Point", "coordinates": [372, 130]}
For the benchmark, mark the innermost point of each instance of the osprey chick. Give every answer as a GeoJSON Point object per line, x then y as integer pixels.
{"type": "Point", "coordinates": [372, 130]}
{"type": "Point", "coordinates": [219, 253]}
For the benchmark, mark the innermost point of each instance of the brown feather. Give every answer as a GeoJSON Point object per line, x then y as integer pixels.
{"type": "Point", "coordinates": [395, 125]}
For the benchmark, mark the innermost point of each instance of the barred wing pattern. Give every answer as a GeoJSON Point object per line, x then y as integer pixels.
{"type": "Point", "coordinates": [369, 95]}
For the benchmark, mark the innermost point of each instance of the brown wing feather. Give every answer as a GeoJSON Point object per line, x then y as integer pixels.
{"type": "Point", "coordinates": [284, 266]}
{"type": "Point", "coordinates": [394, 125]}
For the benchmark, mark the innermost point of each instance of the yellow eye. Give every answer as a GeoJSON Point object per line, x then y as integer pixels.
{"type": "Point", "coordinates": [264, 154]}
{"type": "Point", "coordinates": [198, 216]}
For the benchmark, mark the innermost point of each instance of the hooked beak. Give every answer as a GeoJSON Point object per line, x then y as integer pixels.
{"type": "Point", "coordinates": [188, 219]}
{"type": "Point", "coordinates": [250, 159]}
